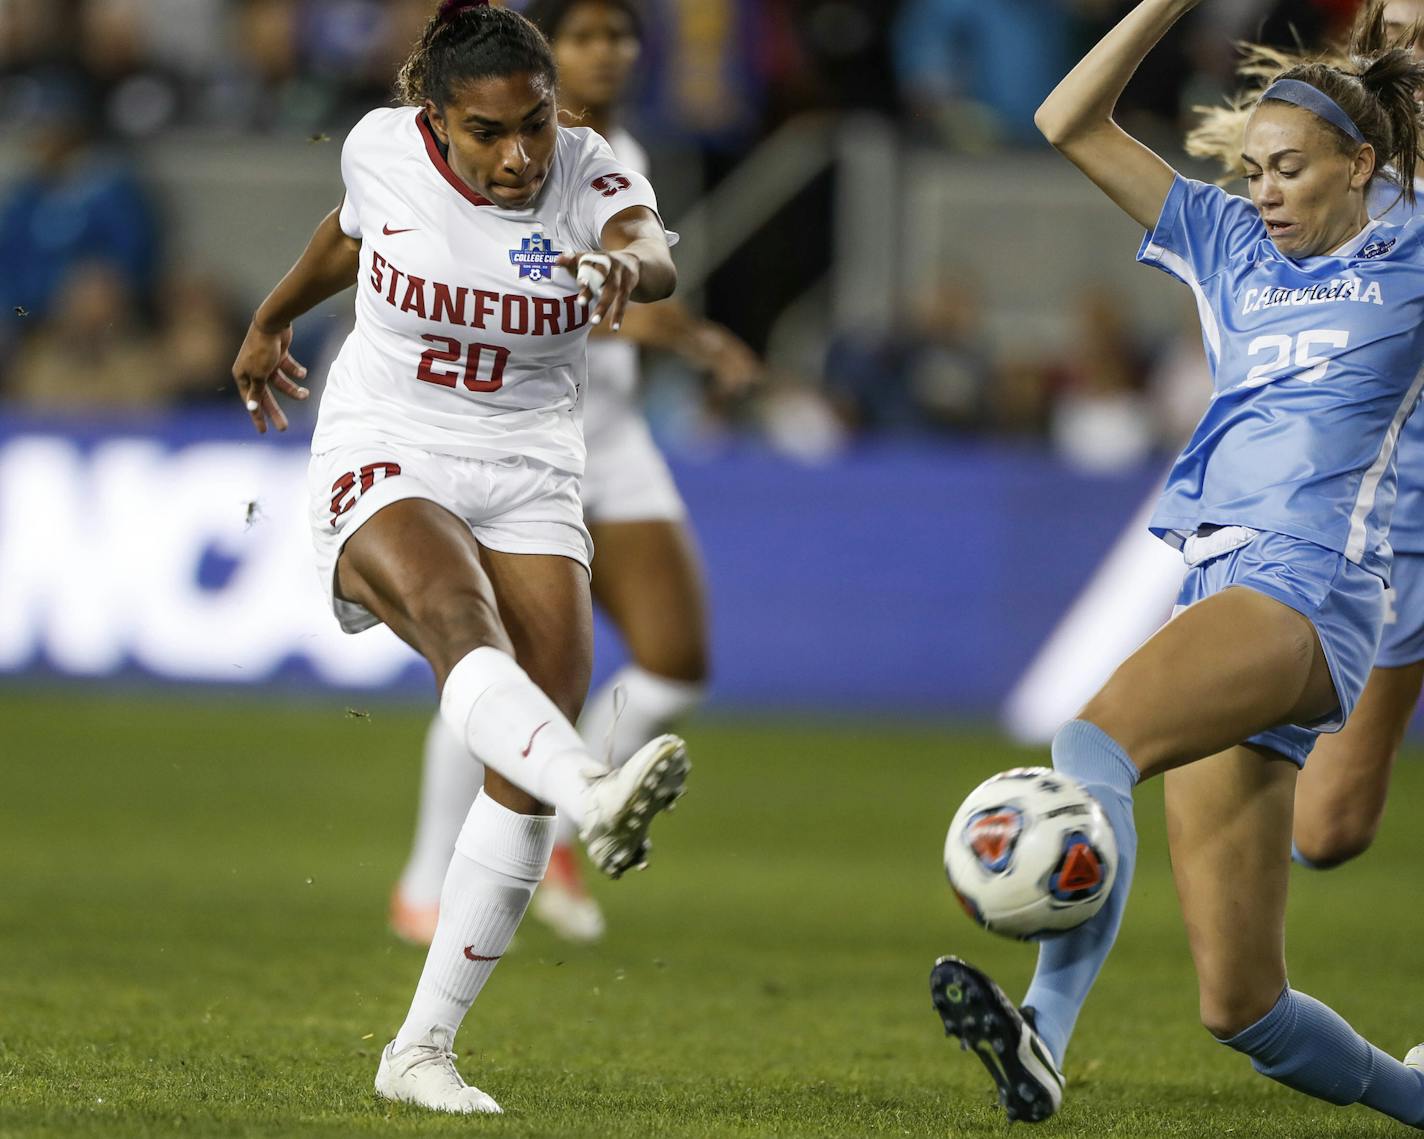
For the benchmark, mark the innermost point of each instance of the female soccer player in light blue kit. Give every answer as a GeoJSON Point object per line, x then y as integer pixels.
{"type": "Point", "coordinates": [1341, 795]}
{"type": "Point", "coordinates": [1313, 319]}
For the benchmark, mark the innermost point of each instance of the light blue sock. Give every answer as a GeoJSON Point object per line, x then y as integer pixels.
{"type": "Point", "coordinates": [1309, 1047]}
{"type": "Point", "coordinates": [1068, 965]}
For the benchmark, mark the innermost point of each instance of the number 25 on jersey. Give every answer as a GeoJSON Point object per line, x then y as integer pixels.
{"type": "Point", "coordinates": [1302, 352]}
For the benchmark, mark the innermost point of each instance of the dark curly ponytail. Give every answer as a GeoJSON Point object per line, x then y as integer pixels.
{"type": "Point", "coordinates": [465, 40]}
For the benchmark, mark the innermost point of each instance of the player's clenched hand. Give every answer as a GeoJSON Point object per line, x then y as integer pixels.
{"type": "Point", "coordinates": [605, 280]}
{"type": "Point", "coordinates": [263, 363]}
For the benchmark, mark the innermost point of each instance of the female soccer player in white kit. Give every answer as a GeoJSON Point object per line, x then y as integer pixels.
{"type": "Point", "coordinates": [646, 575]}
{"type": "Point", "coordinates": [1313, 318]}
{"type": "Point", "coordinates": [446, 461]}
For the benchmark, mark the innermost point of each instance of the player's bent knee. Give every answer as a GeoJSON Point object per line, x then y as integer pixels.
{"type": "Point", "coordinates": [1335, 843]}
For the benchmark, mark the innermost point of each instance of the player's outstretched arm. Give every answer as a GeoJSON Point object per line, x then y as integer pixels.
{"type": "Point", "coordinates": [326, 267]}
{"type": "Point", "coordinates": [1077, 115]}
{"type": "Point", "coordinates": [671, 327]}
{"type": "Point", "coordinates": [635, 264]}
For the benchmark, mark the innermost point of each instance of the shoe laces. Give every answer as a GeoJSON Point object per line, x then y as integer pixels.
{"type": "Point", "coordinates": [596, 774]}
{"type": "Point", "coordinates": [434, 1055]}
{"type": "Point", "coordinates": [620, 703]}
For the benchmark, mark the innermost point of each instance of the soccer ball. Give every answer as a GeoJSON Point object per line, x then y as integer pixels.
{"type": "Point", "coordinates": [1030, 854]}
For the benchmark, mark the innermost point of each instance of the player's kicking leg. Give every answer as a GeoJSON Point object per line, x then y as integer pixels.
{"type": "Point", "coordinates": [649, 582]}
{"type": "Point", "coordinates": [1143, 705]}
{"type": "Point", "coordinates": [471, 612]}
{"type": "Point", "coordinates": [1022, 1052]}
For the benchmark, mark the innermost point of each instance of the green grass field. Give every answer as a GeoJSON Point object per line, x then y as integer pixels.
{"type": "Point", "coordinates": [192, 898]}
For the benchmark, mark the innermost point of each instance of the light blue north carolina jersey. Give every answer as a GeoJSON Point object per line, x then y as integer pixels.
{"type": "Point", "coordinates": [1315, 363]}
{"type": "Point", "coordinates": [1406, 529]}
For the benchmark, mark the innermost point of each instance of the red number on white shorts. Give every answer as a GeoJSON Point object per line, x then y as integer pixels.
{"type": "Point", "coordinates": [359, 482]}
{"type": "Point", "coordinates": [474, 355]}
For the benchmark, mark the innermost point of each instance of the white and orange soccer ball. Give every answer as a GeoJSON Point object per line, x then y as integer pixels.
{"type": "Point", "coordinates": [1030, 854]}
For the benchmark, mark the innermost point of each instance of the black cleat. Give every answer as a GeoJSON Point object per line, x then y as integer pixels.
{"type": "Point", "coordinates": [975, 1009]}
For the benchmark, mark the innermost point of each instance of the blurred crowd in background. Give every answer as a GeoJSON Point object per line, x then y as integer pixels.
{"type": "Point", "coordinates": [101, 311]}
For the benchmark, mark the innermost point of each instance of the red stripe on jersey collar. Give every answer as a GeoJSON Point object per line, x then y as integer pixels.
{"type": "Point", "coordinates": [432, 148]}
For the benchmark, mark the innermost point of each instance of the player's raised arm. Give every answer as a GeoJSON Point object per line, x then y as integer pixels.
{"type": "Point", "coordinates": [1076, 118]}
{"type": "Point", "coordinates": [636, 264]}
{"type": "Point", "coordinates": [326, 267]}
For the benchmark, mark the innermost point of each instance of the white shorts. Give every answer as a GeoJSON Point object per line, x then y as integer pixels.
{"type": "Point", "coordinates": [513, 505]}
{"type": "Point", "coordinates": [626, 479]}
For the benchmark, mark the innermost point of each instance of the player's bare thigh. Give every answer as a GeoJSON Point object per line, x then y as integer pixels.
{"type": "Point", "coordinates": [418, 568]}
{"type": "Point", "coordinates": [647, 577]}
{"type": "Point", "coordinates": [1228, 828]}
{"type": "Point", "coordinates": [1232, 665]}
{"type": "Point", "coordinates": [1341, 795]}
{"type": "Point", "coordinates": [548, 615]}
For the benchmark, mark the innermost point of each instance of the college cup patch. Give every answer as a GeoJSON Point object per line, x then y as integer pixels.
{"type": "Point", "coordinates": [535, 257]}
{"type": "Point", "coordinates": [1079, 873]}
{"type": "Point", "coordinates": [992, 835]}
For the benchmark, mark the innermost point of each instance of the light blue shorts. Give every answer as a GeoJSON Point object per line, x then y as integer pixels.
{"type": "Point", "coordinates": [1403, 639]}
{"type": "Point", "coordinates": [1344, 602]}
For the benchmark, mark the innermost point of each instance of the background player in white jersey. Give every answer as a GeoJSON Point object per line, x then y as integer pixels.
{"type": "Point", "coordinates": [446, 460]}
{"type": "Point", "coordinates": [1340, 796]}
{"type": "Point", "coordinates": [646, 575]}
{"type": "Point", "coordinates": [1313, 318]}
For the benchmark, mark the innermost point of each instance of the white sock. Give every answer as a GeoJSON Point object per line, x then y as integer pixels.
{"type": "Point", "coordinates": [511, 726]}
{"type": "Point", "coordinates": [646, 705]}
{"type": "Point", "coordinates": [500, 857]}
{"type": "Point", "coordinates": [450, 778]}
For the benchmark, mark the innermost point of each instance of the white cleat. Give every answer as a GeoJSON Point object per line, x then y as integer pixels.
{"type": "Point", "coordinates": [424, 1074]}
{"type": "Point", "coordinates": [1415, 1058]}
{"type": "Point", "coordinates": [622, 804]}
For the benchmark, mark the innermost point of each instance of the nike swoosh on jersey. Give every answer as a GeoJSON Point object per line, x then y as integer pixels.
{"type": "Point", "coordinates": [388, 231]}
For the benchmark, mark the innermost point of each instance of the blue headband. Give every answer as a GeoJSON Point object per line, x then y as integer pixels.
{"type": "Point", "coordinates": [1314, 100]}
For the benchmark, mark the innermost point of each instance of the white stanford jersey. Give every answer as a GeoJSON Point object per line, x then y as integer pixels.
{"type": "Point", "coordinates": [467, 340]}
